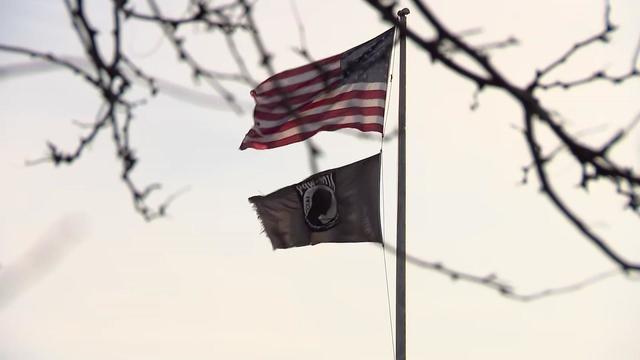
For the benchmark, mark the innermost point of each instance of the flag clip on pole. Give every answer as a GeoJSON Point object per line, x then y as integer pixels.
{"type": "Point", "coordinates": [401, 315]}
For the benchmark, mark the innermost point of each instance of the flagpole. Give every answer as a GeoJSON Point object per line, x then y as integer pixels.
{"type": "Point", "coordinates": [401, 316]}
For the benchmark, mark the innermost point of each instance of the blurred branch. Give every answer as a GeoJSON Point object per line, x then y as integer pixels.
{"type": "Point", "coordinates": [52, 59]}
{"type": "Point", "coordinates": [212, 77]}
{"type": "Point", "coordinates": [602, 36]}
{"type": "Point", "coordinates": [495, 45]}
{"type": "Point", "coordinates": [203, 15]}
{"type": "Point", "coordinates": [113, 74]}
{"type": "Point", "coordinates": [592, 280]}
{"type": "Point", "coordinates": [17, 277]}
{"type": "Point", "coordinates": [494, 282]}
{"type": "Point", "coordinates": [162, 86]}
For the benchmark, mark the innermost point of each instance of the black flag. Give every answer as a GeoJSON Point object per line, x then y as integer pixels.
{"type": "Point", "coordinates": [340, 205]}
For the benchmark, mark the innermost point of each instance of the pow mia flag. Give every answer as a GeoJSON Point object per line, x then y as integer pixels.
{"type": "Point", "coordinates": [319, 202]}
{"type": "Point", "coordinates": [339, 205]}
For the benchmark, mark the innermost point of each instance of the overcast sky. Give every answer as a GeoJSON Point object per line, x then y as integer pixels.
{"type": "Point", "coordinates": [82, 276]}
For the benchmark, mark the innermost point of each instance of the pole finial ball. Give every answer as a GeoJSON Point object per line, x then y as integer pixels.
{"type": "Point", "coordinates": [403, 12]}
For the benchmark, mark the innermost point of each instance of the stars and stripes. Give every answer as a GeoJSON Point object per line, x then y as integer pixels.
{"type": "Point", "coordinates": [347, 90]}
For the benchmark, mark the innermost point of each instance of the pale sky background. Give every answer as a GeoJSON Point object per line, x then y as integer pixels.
{"type": "Point", "coordinates": [82, 276]}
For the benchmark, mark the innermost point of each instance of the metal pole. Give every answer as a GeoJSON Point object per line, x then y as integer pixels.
{"type": "Point", "coordinates": [401, 316]}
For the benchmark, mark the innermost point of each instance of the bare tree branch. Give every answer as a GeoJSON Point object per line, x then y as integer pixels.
{"type": "Point", "coordinates": [50, 58]}
{"type": "Point", "coordinates": [113, 74]}
{"type": "Point", "coordinates": [594, 161]}
{"type": "Point", "coordinates": [494, 282]}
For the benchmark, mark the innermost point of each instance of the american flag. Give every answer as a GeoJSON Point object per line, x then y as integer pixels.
{"type": "Point", "coordinates": [347, 90]}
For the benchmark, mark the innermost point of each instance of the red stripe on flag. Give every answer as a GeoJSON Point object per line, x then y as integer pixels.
{"type": "Point", "coordinates": [354, 94]}
{"type": "Point", "coordinates": [303, 136]}
{"type": "Point", "coordinates": [310, 119]}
